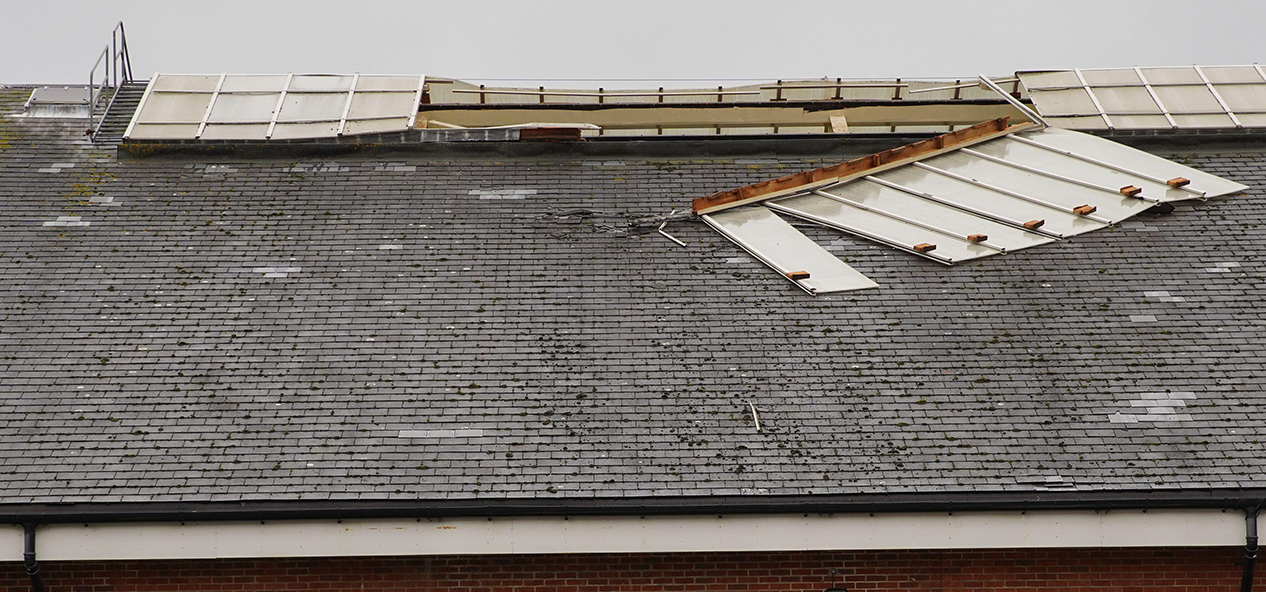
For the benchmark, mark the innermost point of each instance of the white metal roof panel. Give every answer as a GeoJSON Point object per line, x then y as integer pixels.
{"type": "Point", "coordinates": [842, 216]}
{"type": "Point", "coordinates": [903, 220]}
{"type": "Point", "coordinates": [957, 188]}
{"type": "Point", "coordinates": [777, 244]}
{"type": "Point", "coordinates": [1106, 181]}
{"type": "Point", "coordinates": [1123, 156]}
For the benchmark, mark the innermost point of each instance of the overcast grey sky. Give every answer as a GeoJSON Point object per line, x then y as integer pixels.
{"type": "Point", "coordinates": [56, 41]}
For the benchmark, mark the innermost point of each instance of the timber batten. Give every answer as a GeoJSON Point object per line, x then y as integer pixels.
{"type": "Point", "coordinates": [857, 167]}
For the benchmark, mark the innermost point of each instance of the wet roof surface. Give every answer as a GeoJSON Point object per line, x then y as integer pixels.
{"type": "Point", "coordinates": [351, 328]}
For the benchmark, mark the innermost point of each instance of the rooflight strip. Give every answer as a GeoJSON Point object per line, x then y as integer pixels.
{"type": "Point", "coordinates": [347, 107]}
{"type": "Point", "coordinates": [904, 219]}
{"type": "Point", "coordinates": [285, 122]}
{"type": "Point", "coordinates": [206, 116]}
{"type": "Point", "coordinates": [933, 255]}
{"type": "Point", "coordinates": [1218, 96]}
{"type": "Point", "coordinates": [1106, 165]}
{"type": "Point", "coordinates": [1093, 99]}
{"type": "Point", "coordinates": [293, 91]}
{"type": "Point", "coordinates": [417, 103]}
{"type": "Point", "coordinates": [1151, 114]}
{"type": "Point", "coordinates": [280, 101]}
{"type": "Point", "coordinates": [1058, 176]}
{"type": "Point", "coordinates": [1009, 193]}
{"type": "Point", "coordinates": [1135, 85]}
{"type": "Point", "coordinates": [966, 208]}
{"type": "Point", "coordinates": [1139, 72]}
{"type": "Point", "coordinates": [141, 105]}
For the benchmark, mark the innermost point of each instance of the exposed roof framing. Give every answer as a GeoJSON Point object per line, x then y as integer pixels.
{"type": "Point", "coordinates": [450, 91]}
{"type": "Point", "coordinates": [710, 118]}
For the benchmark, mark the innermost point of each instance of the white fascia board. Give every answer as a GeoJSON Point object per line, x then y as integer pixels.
{"type": "Point", "coordinates": [629, 534]}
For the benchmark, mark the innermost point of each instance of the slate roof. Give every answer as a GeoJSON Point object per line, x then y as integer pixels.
{"type": "Point", "coordinates": [268, 329]}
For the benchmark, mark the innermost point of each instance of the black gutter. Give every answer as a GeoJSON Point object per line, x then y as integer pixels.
{"type": "Point", "coordinates": [28, 559]}
{"type": "Point", "coordinates": [1250, 547]}
{"type": "Point", "coordinates": [806, 504]}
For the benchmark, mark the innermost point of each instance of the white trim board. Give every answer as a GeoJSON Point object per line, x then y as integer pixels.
{"type": "Point", "coordinates": [628, 534]}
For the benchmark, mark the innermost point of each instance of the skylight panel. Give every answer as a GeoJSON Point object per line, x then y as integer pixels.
{"type": "Point", "coordinates": [321, 83]}
{"type": "Point", "coordinates": [268, 83]}
{"type": "Point", "coordinates": [1229, 97]}
{"type": "Point", "coordinates": [263, 107]}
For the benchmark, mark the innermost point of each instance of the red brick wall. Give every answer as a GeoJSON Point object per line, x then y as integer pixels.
{"type": "Point", "coordinates": [1065, 570]}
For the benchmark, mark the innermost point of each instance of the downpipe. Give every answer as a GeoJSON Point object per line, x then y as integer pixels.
{"type": "Point", "coordinates": [28, 559]}
{"type": "Point", "coordinates": [1250, 547]}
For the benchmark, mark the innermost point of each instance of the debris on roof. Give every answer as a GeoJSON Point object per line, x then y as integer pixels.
{"type": "Point", "coordinates": [981, 191]}
{"type": "Point", "coordinates": [775, 243]}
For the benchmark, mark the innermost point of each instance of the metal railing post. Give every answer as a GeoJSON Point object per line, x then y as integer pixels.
{"type": "Point", "coordinates": [118, 71]}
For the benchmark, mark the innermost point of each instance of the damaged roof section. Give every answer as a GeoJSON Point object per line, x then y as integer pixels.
{"type": "Point", "coordinates": [273, 106]}
{"type": "Point", "coordinates": [982, 191]}
{"type": "Point", "coordinates": [239, 107]}
{"type": "Point", "coordinates": [826, 106]}
{"type": "Point", "coordinates": [1187, 97]}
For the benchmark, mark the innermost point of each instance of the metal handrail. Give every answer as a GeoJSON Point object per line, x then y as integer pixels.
{"type": "Point", "coordinates": [117, 71]}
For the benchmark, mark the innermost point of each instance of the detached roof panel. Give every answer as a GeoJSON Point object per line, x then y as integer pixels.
{"type": "Point", "coordinates": [979, 192]}
{"type": "Point", "coordinates": [961, 224]}
{"type": "Point", "coordinates": [957, 187]}
{"type": "Point", "coordinates": [1046, 164]}
{"type": "Point", "coordinates": [874, 211]}
{"type": "Point", "coordinates": [1115, 154]}
{"type": "Point", "coordinates": [777, 244]}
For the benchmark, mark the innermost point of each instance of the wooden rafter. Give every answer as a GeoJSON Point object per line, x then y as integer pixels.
{"type": "Point", "coordinates": [858, 167]}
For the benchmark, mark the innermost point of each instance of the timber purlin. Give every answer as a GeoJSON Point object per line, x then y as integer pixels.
{"type": "Point", "coordinates": [857, 167]}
